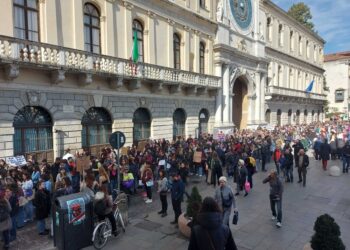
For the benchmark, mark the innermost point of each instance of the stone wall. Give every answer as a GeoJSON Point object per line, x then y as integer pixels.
{"type": "Point", "coordinates": [67, 110]}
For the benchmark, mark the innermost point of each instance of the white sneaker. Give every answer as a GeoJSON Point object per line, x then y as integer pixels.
{"type": "Point", "coordinates": [278, 224]}
{"type": "Point", "coordinates": [148, 201]}
{"type": "Point", "coordinates": [273, 218]}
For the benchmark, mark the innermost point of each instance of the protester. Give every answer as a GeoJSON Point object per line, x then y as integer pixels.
{"type": "Point", "coordinates": [5, 219]}
{"type": "Point", "coordinates": [163, 191]}
{"type": "Point", "coordinates": [147, 180]}
{"type": "Point", "coordinates": [325, 151]}
{"type": "Point", "coordinates": [42, 204]}
{"type": "Point", "coordinates": [210, 232]}
{"type": "Point", "coordinates": [302, 165]}
{"type": "Point", "coordinates": [225, 199]}
{"type": "Point", "coordinates": [177, 192]}
{"type": "Point", "coordinates": [276, 190]}
{"type": "Point", "coordinates": [346, 157]}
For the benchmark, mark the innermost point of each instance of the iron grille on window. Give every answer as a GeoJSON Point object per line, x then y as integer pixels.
{"type": "Point", "coordinates": [33, 130]}
{"type": "Point", "coordinates": [97, 127]}
{"type": "Point", "coordinates": [142, 124]}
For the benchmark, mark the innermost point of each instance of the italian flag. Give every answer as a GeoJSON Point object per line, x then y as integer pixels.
{"type": "Point", "coordinates": [135, 49]}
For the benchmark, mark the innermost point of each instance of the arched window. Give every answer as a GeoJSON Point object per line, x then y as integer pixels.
{"type": "Point", "coordinates": [268, 116]}
{"type": "Point", "coordinates": [280, 76]}
{"type": "Point", "coordinates": [312, 115]}
{"type": "Point", "coordinates": [279, 117]}
{"type": "Point", "coordinates": [33, 131]}
{"type": "Point", "coordinates": [269, 29]}
{"type": "Point", "coordinates": [202, 3]}
{"type": "Point", "coordinates": [290, 116]}
{"type": "Point", "coordinates": [297, 120]}
{"type": "Point", "coordinates": [97, 127]}
{"type": "Point", "coordinates": [179, 119]}
{"type": "Point", "coordinates": [177, 51]}
{"type": "Point", "coordinates": [142, 124]}
{"type": "Point", "coordinates": [280, 35]}
{"type": "Point", "coordinates": [137, 29]}
{"type": "Point", "coordinates": [26, 19]}
{"type": "Point", "coordinates": [300, 46]}
{"type": "Point", "coordinates": [291, 39]}
{"type": "Point", "coordinates": [91, 28]}
{"type": "Point", "coordinates": [203, 121]}
{"type": "Point", "coordinates": [201, 58]}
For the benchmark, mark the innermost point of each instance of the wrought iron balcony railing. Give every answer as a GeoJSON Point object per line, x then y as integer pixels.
{"type": "Point", "coordinates": [57, 57]}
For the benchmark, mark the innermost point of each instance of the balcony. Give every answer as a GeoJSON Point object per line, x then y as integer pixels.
{"type": "Point", "coordinates": [293, 93]}
{"type": "Point", "coordinates": [23, 53]}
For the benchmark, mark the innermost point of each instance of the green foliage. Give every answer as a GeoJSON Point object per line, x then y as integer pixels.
{"type": "Point", "coordinates": [301, 12]}
{"type": "Point", "coordinates": [327, 234]}
{"type": "Point", "coordinates": [193, 203]}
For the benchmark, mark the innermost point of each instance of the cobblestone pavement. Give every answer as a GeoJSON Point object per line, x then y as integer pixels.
{"type": "Point", "coordinates": [255, 230]}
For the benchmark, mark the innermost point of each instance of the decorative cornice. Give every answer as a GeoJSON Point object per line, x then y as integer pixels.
{"type": "Point", "coordinates": [171, 22]}
{"type": "Point", "coordinates": [128, 5]}
{"type": "Point", "coordinates": [151, 14]}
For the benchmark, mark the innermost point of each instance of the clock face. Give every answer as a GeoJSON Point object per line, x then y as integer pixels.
{"type": "Point", "coordinates": [242, 12]}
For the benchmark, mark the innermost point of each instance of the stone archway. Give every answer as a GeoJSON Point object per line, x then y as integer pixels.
{"type": "Point", "coordinates": [240, 103]}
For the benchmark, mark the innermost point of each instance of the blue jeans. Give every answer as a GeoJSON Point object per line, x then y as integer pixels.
{"type": "Point", "coordinates": [200, 170]}
{"type": "Point", "coordinates": [112, 186]}
{"type": "Point", "coordinates": [346, 163]}
{"type": "Point", "coordinates": [289, 173]}
{"type": "Point", "coordinates": [276, 203]}
{"type": "Point", "coordinates": [28, 211]}
{"type": "Point", "coordinates": [6, 237]}
{"type": "Point", "coordinates": [41, 226]}
{"type": "Point", "coordinates": [13, 230]}
{"type": "Point", "coordinates": [20, 217]}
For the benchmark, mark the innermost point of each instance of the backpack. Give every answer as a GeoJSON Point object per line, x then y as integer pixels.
{"type": "Point", "coordinates": [100, 207]}
{"type": "Point", "coordinates": [4, 212]}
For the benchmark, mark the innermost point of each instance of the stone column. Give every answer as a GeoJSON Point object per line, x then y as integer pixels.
{"type": "Point", "coordinates": [66, 134]}
{"type": "Point", "coordinates": [170, 43]}
{"type": "Point", "coordinates": [226, 95]}
{"type": "Point", "coordinates": [110, 37]}
{"type": "Point", "coordinates": [151, 43]}
{"type": "Point", "coordinates": [186, 50]}
{"type": "Point", "coordinates": [78, 39]}
{"type": "Point", "coordinates": [263, 78]}
{"type": "Point", "coordinates": [6, 138]}
{"type": "Point", "coordinates": [208, 61]}
{"type": "Point", "coordinates": [196, 51]}
{"type": "Point", "coordinates": [128, 29]}
{"type": "Point", "coordinates": [258, 98]}
{"type": "Point", "coordinates": [218, 99]}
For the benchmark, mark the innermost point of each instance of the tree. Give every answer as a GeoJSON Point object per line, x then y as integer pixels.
{"type": "Point", "coordinates": [327, 234]}
{"type": "Point", "coordinates": [194, 203]}
{"type": "Point", "coordinates": [301, 12]}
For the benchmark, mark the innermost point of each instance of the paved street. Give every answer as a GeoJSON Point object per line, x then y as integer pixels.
{"type": "Point", "coordinates": [255, 230]}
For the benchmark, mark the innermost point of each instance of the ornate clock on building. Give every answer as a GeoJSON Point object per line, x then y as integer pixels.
{"type": "Point", "coordinates": [242, 12]}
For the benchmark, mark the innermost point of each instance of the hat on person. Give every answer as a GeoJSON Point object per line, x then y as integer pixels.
{"type": "Point", "coordinates": [222, 178]}
{"type": "Point", "coordinates": [241, 162]}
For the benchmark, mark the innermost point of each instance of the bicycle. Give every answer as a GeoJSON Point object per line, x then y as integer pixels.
{"type": "Point", "coordinates": [103, 229]}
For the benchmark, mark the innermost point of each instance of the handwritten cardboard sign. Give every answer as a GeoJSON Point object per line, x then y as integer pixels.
{"type": "Point", "coordinates": [83, 163]}
{"type": "Point", "coordinates": [197, 157]}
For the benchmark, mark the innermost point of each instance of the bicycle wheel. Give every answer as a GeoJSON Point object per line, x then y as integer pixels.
{"type": "Point", "coordinates": [101, 236]}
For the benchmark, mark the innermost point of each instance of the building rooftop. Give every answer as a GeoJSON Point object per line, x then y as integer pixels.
{"type": "Point", "coordinates": [337, 56]}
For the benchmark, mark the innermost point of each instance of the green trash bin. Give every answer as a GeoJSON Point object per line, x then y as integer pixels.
{"type": "Point", "coordinates": [73, 224]}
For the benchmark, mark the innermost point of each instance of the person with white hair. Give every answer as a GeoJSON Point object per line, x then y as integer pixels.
{"type": "Point", "coordinates": [225, 199]}
{"type": "Point", "coordinates": [242, 177]}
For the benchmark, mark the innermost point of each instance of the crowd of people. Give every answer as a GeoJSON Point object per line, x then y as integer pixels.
{"type": "Point", "coordinates": [165, 167]}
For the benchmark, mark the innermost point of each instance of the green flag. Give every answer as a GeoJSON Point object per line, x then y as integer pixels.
{"type": "Point", "coordinates": [135, 49]}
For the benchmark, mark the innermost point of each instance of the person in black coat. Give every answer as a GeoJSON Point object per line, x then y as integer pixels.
{"type": "Point", "coordinates": [302, 165]}
{"type": "Point", "coordinates": [297, 146]}
{"type": "Point", "coordinates": [325, 151]}
{"type": "Point", "coordinates": [42, 204]}
{"type": "Point", "coordinates": [210, 233]}
{"type": "Point", "coordinates": [288, 165]}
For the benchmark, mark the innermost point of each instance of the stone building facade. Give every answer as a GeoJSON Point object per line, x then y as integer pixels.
{"type": "Point", "coordinates": [295, 56]}
{"type": "Point", "coordinates": [337, 68]}
{"type": "Point", "coordinates": [70, 78]}
{"type": "Point", "coordinates": [67, 80]}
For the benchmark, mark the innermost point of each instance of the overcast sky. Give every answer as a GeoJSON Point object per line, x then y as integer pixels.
{"type": "Point", "coordinates": [331, 19]}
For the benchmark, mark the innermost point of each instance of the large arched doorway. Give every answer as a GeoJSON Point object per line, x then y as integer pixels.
{"type": "Point", "coordinates": [33, 133]}
{"type": "Point", "coordinates": [179, 123]}
{"type": "Point", "coordinates": [142, 125]}
{"type": "Point", "coordinates": [305, 116]}
{"type": "Point", "coordinates": [240, 103]}
{"type": "Point", "coordinates": [203, 121]}
{"type": "Point", "coordinates": [97, 127]}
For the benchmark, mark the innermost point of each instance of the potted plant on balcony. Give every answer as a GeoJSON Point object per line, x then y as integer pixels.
{"type": "Point", "coordinates": [327, 235]}
{"type": "Point", "coordinates": [186, 220]}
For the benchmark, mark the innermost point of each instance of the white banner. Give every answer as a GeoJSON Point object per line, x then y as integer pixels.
{"type": "Point", "coordinates": [16, 160]}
